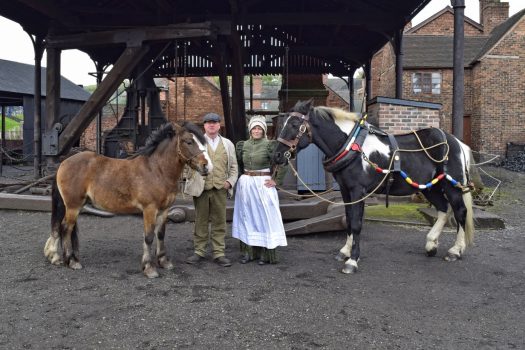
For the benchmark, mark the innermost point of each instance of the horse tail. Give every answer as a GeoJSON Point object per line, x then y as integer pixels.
{"type": "Point", "coordinates": [473, 173]}
{"type": "Point", "coordinates": [469, 219]}
{"type": "Point", "coordinates": [470, 174]}
{"type": "Point", "coordinates": [58, 210]}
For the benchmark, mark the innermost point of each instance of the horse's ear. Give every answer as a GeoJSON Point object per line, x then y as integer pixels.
{"type": "Point", "coordinates": [309, 104]}
{"type": "Point", "coordinates": [303, 106]}
{"type": "Point", "coordinates": [176, 128]}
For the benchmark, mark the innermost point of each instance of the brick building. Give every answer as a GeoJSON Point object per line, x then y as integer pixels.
{"type": "Point", "coordinates": [494, 53]}
{"type": "Point", "coordinates": [187, 99]}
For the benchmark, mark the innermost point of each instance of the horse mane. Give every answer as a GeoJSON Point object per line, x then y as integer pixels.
{"type": "Point", "coordinates": [165, 131]}
{"type": "Point", "coordinates": [195, 130]}
{"type": "Point", "coordinates": [327, 113]}
{"type": "Point", "coordinates": [336, 114]}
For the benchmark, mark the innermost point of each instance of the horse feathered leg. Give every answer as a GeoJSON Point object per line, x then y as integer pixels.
{"type": "Point", "coordinates": [434, 233]}
{"type": "Point", "coordinates": [160, 230]}
{"type": "Point", "coordinates": [148, 268]}
{"type": "Point", "coordinates": [462, 208]}
{"type": "Point", "coordinates": [345, 251]}
{"type": "Point", "coordinates": [355, 213]}
{"type": "Point", "coordinates": [58, 211]}
{"type": "Point", "coordinates": [51, 249]}
{"type": "Point", "coordinates": [69, 237]}
{"type": "Point", "coordinates": [436, 197]}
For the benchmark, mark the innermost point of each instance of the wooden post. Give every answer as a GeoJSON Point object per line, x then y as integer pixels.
{"type": "Point", "coordinates": [219, 61]}
{"type": "Point", "coordinates": [38, 46]}
{"type": "Point", "coordinates": [238, 109]}
{"type": "Point", "coordinates": [52, 88]}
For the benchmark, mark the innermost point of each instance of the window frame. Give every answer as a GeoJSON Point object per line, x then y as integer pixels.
{"type": "Point", "coordinates": [427, 83]}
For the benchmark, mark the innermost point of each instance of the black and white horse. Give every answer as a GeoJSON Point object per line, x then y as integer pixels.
{"type": "Point", "coordinates": [363, 159]}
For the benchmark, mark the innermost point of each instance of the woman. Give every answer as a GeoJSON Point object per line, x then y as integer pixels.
{"type": "Point", "coordinates": [257, 220]}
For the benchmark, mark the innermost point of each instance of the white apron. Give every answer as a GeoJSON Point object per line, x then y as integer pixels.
{"type": "Point", "coordinates": [257, 218]}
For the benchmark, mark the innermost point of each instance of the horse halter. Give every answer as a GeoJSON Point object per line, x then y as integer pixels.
{"type": "Point", "coordinates": [186, 160]}
{"type": "Point", "coordinates": [303, 128]}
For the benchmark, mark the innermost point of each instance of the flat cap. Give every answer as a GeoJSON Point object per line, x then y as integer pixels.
{"type": "Point", "coordinates": [211, 117]}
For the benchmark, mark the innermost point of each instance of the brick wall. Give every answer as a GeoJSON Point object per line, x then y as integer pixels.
{"type": "Point", "coordinates": [109, 120]}
{"type": "Point", "coordinates": [498, 108]}
{"type": "Point", "coordinates": [444, 25]}
{"type": "Point", "coordinates": [198, 94]}
{"type": "Point", "coordinates": [402, 116]}
{"type": "Point", "coordinates": [444, 98]}
{"type": "Point", "coordinates": [335, 101]}
{"type": "Point", "coordinates": [383, 80]}
{"type": "Point", "coordinates": [492, 14]}
{"type": "Point", "coordinates": [494, 87]}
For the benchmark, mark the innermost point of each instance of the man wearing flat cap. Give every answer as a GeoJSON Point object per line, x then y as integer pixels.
{"type": "Point", "coordinates": [210, 205]}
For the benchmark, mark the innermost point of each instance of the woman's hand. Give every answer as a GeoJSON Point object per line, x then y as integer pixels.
{"type": "Point", "coordinates": [270, 183]}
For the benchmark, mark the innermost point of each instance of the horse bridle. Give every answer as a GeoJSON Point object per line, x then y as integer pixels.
{"type": "Point", "coordinates": [303, 128]}
{"type": "Point", "coordinates": [185, 159]}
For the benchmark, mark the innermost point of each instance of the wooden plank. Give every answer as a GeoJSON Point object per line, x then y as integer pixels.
{"type": "Point", "coordinates": [25, 202]}
{"type": "Point", "coordinates": [134, 37]}
{"type": "Point", "coordinates": [121, 70]}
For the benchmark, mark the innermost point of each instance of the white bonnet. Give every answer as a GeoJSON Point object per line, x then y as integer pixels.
{"type": "Point", "coordinates": [257, 120]}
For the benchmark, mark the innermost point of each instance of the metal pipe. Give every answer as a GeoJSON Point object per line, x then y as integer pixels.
{"type": "Point", "coordinates": [459, 72]}
{"type": "Point", "coordinates": [398, 39]}
{"type": "Point", "coordinates": [368, 77]}
{"type": "Point", "coordinates": [351, 103]}
{"type": "Point", "coordinates": [3, 140]}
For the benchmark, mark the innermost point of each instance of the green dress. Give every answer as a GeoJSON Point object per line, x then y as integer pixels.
{"type": "Point", "coordinates": [255, 155]}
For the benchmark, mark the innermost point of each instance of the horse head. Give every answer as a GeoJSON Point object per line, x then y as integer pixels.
{"type": "Point", "coordinates": [296, 133]}
{"type": "Point", "coordinates": [192, 149]}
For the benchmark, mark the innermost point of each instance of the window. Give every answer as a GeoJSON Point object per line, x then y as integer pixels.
{"type": "Point", "coordinates": [426, 83]}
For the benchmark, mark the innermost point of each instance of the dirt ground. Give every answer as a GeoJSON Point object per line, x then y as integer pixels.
{"type": "Point", "coordinates": [398, 299]}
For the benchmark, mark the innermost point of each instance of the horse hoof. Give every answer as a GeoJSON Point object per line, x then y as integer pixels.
{"type": "Point", "coordinates": [451, 257]}
{"type": "Point", "coordinates": [341, 257]}
{"type": "Point", "coordinates": [165, 264]}
{"type": "Point", "coordinates": [432, 252]}
{"type": "Point", "coordinates": [56, 261]}
{"type": "Point", "coordinates": [151, 272]}
{"type": "Point", "coordinates": [349, 269]}
{"type": "Point", "coordinates": [75, 265]}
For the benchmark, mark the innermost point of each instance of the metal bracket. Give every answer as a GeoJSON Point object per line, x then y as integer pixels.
{"type": "Point", "coordinates": [50, 140]}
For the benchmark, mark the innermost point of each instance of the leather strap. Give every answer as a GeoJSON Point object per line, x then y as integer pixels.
{"type": "Point", "coordinates": [257, 173]}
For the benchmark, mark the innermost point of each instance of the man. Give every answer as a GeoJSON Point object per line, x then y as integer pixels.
{"type": "Point", "coordinates": [210, 205]}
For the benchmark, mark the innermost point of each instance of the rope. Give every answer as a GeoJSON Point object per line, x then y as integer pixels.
{"type": "Point", "coordinates": [304, 195]}
{"type": "Point", "coordinates": [6, 153]}
{"type": "Point", "coordinates": [495, 156]}
{"type": "Point", "coordinates": [427, 148]}
{"type": "Point", "coordinates": [338, 203]}
{"type": "Point", "coordinates": [385, 172]}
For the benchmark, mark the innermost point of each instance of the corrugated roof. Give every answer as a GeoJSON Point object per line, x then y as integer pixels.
{"type": "Point", "coordinates": [430, 51]}
{"type": "Point", "coordinates": [19, 78]}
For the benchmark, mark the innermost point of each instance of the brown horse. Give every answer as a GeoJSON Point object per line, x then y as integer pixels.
{"type": "Point", "coordinates": [147, 182]}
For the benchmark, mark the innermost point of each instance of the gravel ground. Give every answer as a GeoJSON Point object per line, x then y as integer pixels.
{"type": "Point", "coordinates": [398, 299]}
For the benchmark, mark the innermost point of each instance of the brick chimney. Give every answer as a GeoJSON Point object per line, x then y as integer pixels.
{"type": "Point", "coordinates": [492, 13]}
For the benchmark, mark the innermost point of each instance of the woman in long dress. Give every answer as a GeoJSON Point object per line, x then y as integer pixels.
{"type": "Point", "coordinates": [257, 220]}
